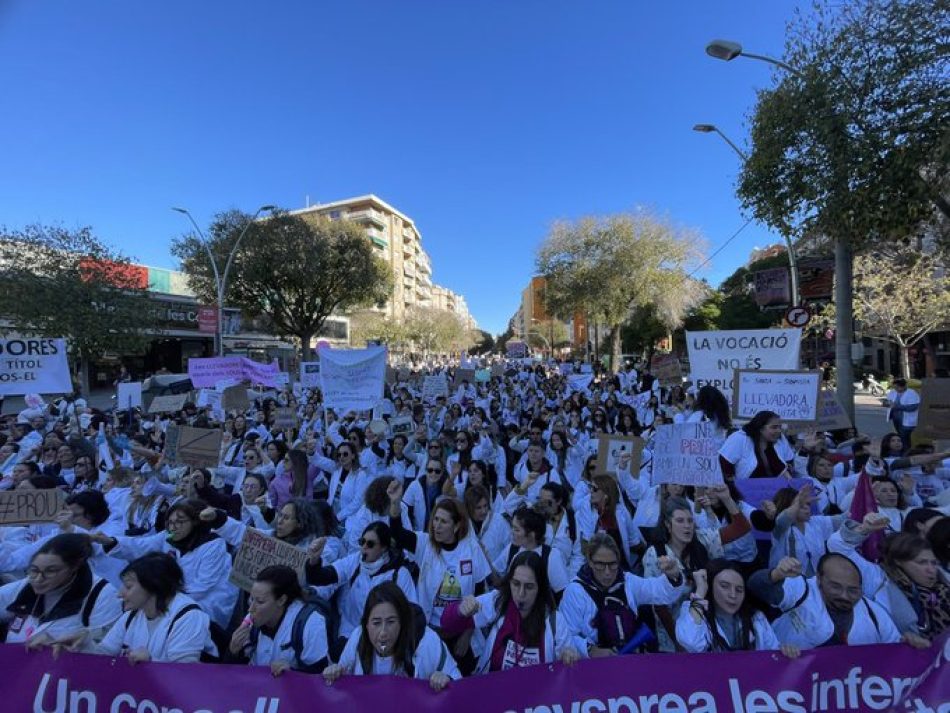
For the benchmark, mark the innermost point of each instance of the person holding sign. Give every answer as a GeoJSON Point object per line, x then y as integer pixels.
{"type": "Point", "coordinates": [757, 450]}
{"type": "Point", "coordinates": [61, 603]}
{"type": "Point", "coordinates": [393, 640]}
{"type": "Point", "coordinates": [281, 630]}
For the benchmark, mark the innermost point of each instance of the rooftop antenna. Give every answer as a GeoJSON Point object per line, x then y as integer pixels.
{"type": "Point", "coordinates": [307, 198]}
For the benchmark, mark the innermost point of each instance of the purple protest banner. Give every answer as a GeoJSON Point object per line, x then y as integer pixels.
{"type": "Point", "coordinates": [858, 678]}
{"type": "Point", "coordinates": [755, 490]}
{"type": "Point", "coordinates": [211, 371]}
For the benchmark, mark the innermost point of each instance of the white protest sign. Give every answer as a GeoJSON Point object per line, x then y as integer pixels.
{"type": "Point", "coordinates": [310, 373]}
{"type": "Point", "coordinates": [129, 395]}
{"type": "Point", "coordinates": [587, 369]}
{"type": "Point", "coordinates": [687, 453]}
{"type": "Point", "coordinates": [435, 386]}
{"type": "Point", "coordinates": [283, 378]}
{"type": "Point", "coordinates": [714, 356]}
{"type": "Point", "coordinates": [793, 395]}
{"type": "Point", "coordinates": [579, 382]}
{"type": "Point", "coordinates": [352, 379]}
{"type": "Point", "coordinates": [33, 365]}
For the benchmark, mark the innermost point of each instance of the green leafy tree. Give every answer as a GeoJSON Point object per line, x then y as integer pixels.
{"type": "Point", "coordinates": [436, 331]}
{"type": "Point", "coordinates": [67, 283]}
{"type": "Point", "coordinates": [367, 325]}
{"type": "Point", "coordinates": [608, 267]}
{"type": "Point", "coordinates": [294, 271]}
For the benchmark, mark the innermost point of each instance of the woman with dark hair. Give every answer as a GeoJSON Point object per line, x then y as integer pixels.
{"type": "Point", "coordinates": [392, 640]}
{"type": "Point", "coordinates": [797, 532]}
{"type": "Point", "coordinates": [908, 582]}
{"type": "Point", "coordinates": [719, 617]}
{"type": "Point", "coordinates": [375, 509]}
{"type": "Point", "coordinates": [61, 602]}
{"type": "Point", "coordinates": [757, 450]}
{"type": "Point", "coordinates": [203, 557]}
{"type": "Point", "coordinates": [274, 453]}
{"type": "Point", "coordinates": [520, 618]}
{"type": "Point", "coordinates": [567, 455]}
{"type": "Point", "coordinates": [489, 525]}
{"type": "Point", "coordinates": [458, 462]}
{"type": "Point", "coordinates": [600, 607]}
{"type": "Point", "coordinates": [711, 406]}
{"type": "Point", "coordinates": [292, 479]}
{"type": "Point", "coordinates": [280, 629]}
{"type": "Point", "coordinates": [398, 462]}
{"type": "Point", "coordinates": [603, 511]}
{"type": "Point", "coordinates": [451, 564]}
{"type": "Point", "coordinates": [162, 623]}
{"type": "Point", "coordinates": [143, 509]}
{"type": "Point", "coordinates": [351, 578]}
{"type": "Point", "coordinates": [348, 481]}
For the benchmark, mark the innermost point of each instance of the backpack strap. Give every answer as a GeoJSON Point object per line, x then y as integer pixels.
{"type": "Point", "coordinates": [178, 615]}
{"type": "Point", "coordinates": [128, 619]}
{"type": "Point", "coordinates": [296, 638]}
{"type": "Point", "coordinates": [90, 602]}
{"type": "Point", "coordinates": [571, 524]}
{"type": "Point", "coordinates": [867, 605]}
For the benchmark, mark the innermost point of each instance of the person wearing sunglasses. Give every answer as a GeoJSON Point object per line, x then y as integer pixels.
{"type": "Point", "coordinates": [348, 480]}
{"type": "Point", "coordinates": [424, 491]}
{"type": "Point", "coordinates": [375, 509]}
{"type": "Point", "coordinates": [353, 576]}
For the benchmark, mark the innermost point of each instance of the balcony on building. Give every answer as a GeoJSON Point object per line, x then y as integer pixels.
{"type": "Point", "coordinates": [367, 215]}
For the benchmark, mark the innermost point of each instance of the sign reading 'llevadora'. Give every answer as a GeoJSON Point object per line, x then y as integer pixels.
{"type": "Point", "coordinates": [33, 365]}
{"type": "Point", "coordinates": [793, 395]}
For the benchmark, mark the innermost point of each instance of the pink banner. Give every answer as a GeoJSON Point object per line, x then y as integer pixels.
{"type": "Point", "coordinates": [861, 678]}
{"type": "Point", "coordinates": [208, 372]}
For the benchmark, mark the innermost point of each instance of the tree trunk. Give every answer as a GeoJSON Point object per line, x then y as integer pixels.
{"type": "Point", "coordinates": [844, 324]}
{"type": "Point", "coordinates": [306, 353]}
{"type": "Point", "coordinates": [615, 350]}
{"type": "Point", "coordinates": [903, 358]}
{"type": "Point", "coordinates": [84, 377]}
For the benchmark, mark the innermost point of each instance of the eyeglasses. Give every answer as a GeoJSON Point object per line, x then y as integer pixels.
{"type": "Point", "coordinates": [48, 573]}
{"type": "Point", "coordinates": [433, 470]}
{"type": "Point", "coordinates": [461, 440]}
{"type": "Point", "coordinates": [602, 566]}
{"type": "Point", "coordinates": [365, 542]}
{"type": "Point", "coordinates": [178, 522]}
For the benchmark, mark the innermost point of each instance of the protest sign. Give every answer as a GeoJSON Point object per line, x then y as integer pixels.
{"type": "Point", "coordinates": [880, 677]}
{"type": "Point", "coordinates": [463, 375]}
{"type": "Point", "coordinates": [310, 374]}
{"type": "Point", "coordinates": [498, 370]}
{"type": "Point", "coordinates": [210, 371]}
{"type": "Point", "coordinates": [434, 386]}
{"type": "Point", "coordinates": [687, 453]}
{"type": "Point", "coordinates": [755, 490]}
{"type": "Point", "coordinates": [579, 382]}
{"type": "Point", "coordinates": [167, 404]}
{"type": "Point", "coordinates": [352, 380]}
{"type": "Point", "coordinates": [666, 368]}
{"type": "Point", "coordinates": [402, 426]}
{"type": "Point", "coordinates": [934, 417]}
{"type": "Point", "coordinates": [234, 398]}
{"type": "Point", "coordinates": [283, 378]}
{"type": "Point", "coordinates": [128, 395]}
{"type": "Point", "coordinates": [258, 551]}
{"type": "Point", "coordinates": [587, 368]}
{"type": "Point", "coordinates": [198, 447]}
{"type": "Point", "coordinates": [566, 369]}
{"type": "Point", "coordinates": [25, 507]}
{"type": "Point", "coordinates": [831, 416]}
{"type": "Point", "coordinates": [793, 395]}
{"type": "Point", "coordinates": [33, 365]}
{"type": "Point", "coordinates": [483, 375]}
{"type": "Point", "coordinates": [611, 446]}
{"type": "Point", "coordinates": [714, 356]}
{"type": "Point", "coordinates": [641, 400]}
{"type": "Point", "coordinates": [211, 399]}
{"type": "Point", "coordinates": [390, 375]}
{"type": "Point", "coordinates": [516, 349]}
{"type": "Point", "coordinates": [285, 417]}
{"type": "Point", "coordinates": [170, 451]}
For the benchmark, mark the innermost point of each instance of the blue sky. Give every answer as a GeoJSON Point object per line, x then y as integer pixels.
{"type": "Point", "coordinates": [483, 121]}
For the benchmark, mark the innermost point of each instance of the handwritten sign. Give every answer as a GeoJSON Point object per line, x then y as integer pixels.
{"type": "Point", "coordinates": [934, 419]}
{"type": "Point", "coordinates": [687, 453]}
{"type": "Point", "coordinates": [463, 375]}
{"type": "Point", "coordinates": [285, 417]}
{"type": "Point", "coordinates": [666, 368]}
{"type": "Point", "coordinates": [831, 416]}
{"type": "Point", "coordinates": [434, 386]}
{"type": "Point", "coordinates": [129, 395]}
{"type": "Point", "coordinates": [402, 426]}
{"type": "Point", "coordinates": [352, 379]}
{"type": "Point", "coordinates": [33, 365]}
{"type": "Point", "coordinates": [793, 395]}
{"type": "Point", "coordinates": [258, 551]}
{"type": "Point", "coordinates": [24, 507]}
{"type": "Point", "coordinates": [198, 447]}
{"type": "Point", "coordinates": [167, 404]}
{"type": "Point", "coordinates": [234, 398]}
{"type": "Point", "coordinates": [609, 449]}
{"type": "Point", "coordinates": [211, 370]}
{"type": "Point", "coordinates": [310, 373]}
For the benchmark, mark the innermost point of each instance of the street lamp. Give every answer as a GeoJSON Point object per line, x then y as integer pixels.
{"type": "Point", "coordinates": [221, 279]}
{"type": "Point", "coordinates": [844, 259]}
{"type": "Point", "coordinates": [792, 259]}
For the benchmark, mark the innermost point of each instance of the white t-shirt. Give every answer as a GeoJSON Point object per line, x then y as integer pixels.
{"type": "Point", "coordinates": [447, 576]}
{"type": "Point", "coordinates": [739, 449]}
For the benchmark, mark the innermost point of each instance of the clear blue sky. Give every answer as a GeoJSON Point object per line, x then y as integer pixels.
{"type": "Point", "coordinates": [483, 121]}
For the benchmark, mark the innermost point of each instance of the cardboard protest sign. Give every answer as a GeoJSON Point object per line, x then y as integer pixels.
{"type": "Point", "coordinates": [463, 375]}
{"type": "Point", "coordinates": [714, 356]}
{"type": "Point", "coordinates": [666, 368]}
{"type": "Point", "coordinates": [933, 420]}
{"type": "Point", "coordinates": [687, 453]}
{"type": "Point", "coordinates": [198, 447]}
{"type": "Point", "coordinates": [234, 398]}
{"type": "Point", "coordinates": [33, 365]}
{"type": "Point", "coordinates": [434, 386]}
{"type": "Point", "coordinates": [128, 395]}
{"type": "Point", "coordinates": [793, 395]}
{"type": "Point", "coordinates": [285, 417]}
{"type": "Point", "coordinates": [258, 551]}
{"type": "Point", "coordinates": [611, 446]}
{"type": "Point", "coordinates": [831, 416]}
{"type": "Point", "coordinates": [352, 380]}
{"type": "Point", "coordinates": [167, 404]}
{"type": "Point", "coordinates": [402, 426]}
{"type": "Point", "coordinates": [172, 434]}
{"type": "Point", "coordinates": [25, 507]}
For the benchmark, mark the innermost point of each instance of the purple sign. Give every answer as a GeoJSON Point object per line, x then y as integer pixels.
{"type": "Point", "coordinates": [208, 372]}
{"type": "Point", "coordinates": [857, 678]}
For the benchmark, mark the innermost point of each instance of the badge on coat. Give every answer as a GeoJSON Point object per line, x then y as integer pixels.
{"type": "Point", "coordinates": [465, 566]}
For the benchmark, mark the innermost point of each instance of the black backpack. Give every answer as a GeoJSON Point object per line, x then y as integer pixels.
{"type": "Point", "coordinates": [615, 622]}
{"type": "Point", "coordinates": [312, 604]}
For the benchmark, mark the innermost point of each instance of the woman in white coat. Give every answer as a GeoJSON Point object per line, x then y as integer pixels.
{"type": "Point", "coordinates": [61, 602]}
{"type": "Point", "coordinates": [348, 481]}
{"type": "Point", "coordinates": [203, 557]}
{"type": "Point", "coordinates": [161, 623]}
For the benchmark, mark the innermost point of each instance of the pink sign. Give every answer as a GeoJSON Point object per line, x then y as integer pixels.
{"type": "Point", "coordinates": [208, 372]}
{"type": "Point", "coordinates": [208, 319]}
{"type": "Point", "coordinates": [857, 678]}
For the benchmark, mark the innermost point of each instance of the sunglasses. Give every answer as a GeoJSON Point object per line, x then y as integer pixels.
{"type": "Point", "coordinates": [433, 470]}
{"type": "Point", "coordinates": [365, 542]}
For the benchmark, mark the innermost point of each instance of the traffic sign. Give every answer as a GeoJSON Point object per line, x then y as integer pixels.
{"type": "Point", "coordinates": [798, 316]}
